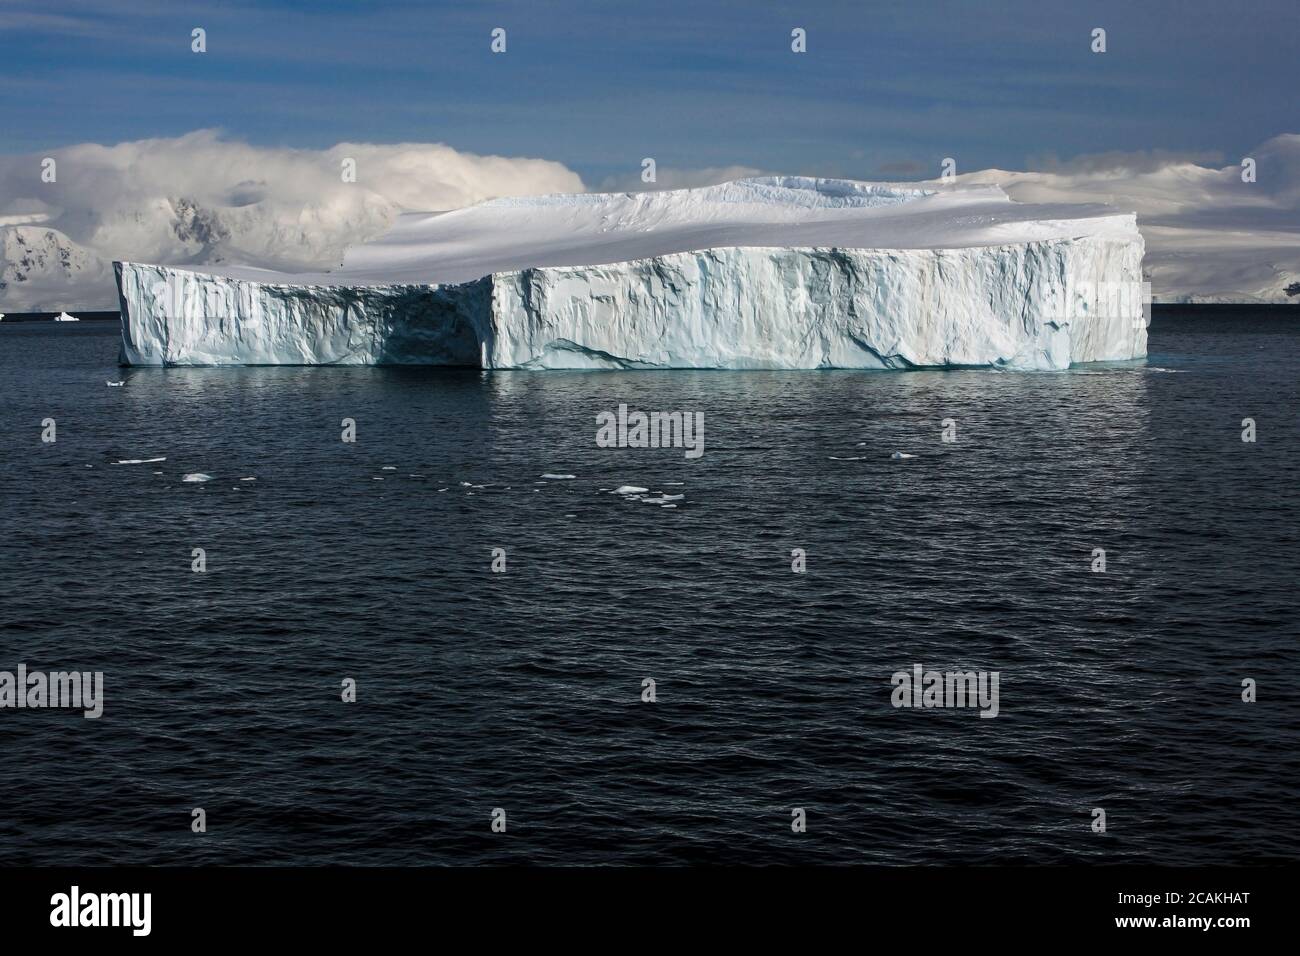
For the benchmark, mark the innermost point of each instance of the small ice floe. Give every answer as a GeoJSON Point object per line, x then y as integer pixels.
{"type": "Point", "coordinates": [196, 476]}
{"type": "Point", "coordinates": [900, 455]}
{"type": "Point", "coordinates": [673, 484]}
{"type": "Point", "coordinates": [551, 477]}
{"type": "Point", "coordinates": [376, 478]}
{"type": "Point", "coordinates": [414, 475]}
{"type": "Point", "coordinates": [248, 479]}
{"type": "Point", "coordinates": [137, 461]}
{"type": "Point", "coordinates": [389, 468]}
{"type": "Point", "coordinates": [850, 458]}
{"type": "Point", "coordinates": [64, 317]}
{"type": "Point", "coordinates": [442, 489]}
{"type": "Point", "coordinates": [630, 490]}
{"type": "Point", "coordinates": [115, 384]}
{"type": "Point", "coordinates": [670, 506]}
{"type": "Point", "coordinates": [466, 484]}
{"type": "Point", "coordinates": [662, 499]}
{"type": "Point", "coordinates": [1171, 371]}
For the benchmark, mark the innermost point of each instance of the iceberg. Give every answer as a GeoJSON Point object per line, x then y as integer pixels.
{"type": "Point", "coordinates": [766, 273]}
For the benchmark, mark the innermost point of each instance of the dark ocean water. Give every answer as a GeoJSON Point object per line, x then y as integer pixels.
{"type": "Point", "coordinates": [522, 690]}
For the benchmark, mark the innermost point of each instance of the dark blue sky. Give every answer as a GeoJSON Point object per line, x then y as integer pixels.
{"type": "Point", "coordinates": [885, 89]}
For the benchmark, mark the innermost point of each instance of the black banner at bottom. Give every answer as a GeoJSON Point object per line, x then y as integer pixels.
{"type": "Point", "coordinates": [333, 905]}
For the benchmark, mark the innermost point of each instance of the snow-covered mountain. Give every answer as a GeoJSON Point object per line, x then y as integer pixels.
{"type": "Point", "coordinates": [42, 270]}
{"type": "Point", "coordinates": [200, 199]}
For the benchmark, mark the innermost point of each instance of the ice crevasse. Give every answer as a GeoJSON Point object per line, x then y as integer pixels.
{"type": "Point", "coordinates": [771, 273]}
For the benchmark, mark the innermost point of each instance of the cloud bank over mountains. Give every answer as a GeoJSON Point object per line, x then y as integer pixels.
{"type": "Point", "coordinates": [201, 199]}
{"type": "Point", "coordinates": [1211, 237]}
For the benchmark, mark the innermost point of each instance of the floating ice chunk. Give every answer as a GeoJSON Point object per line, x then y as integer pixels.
{"type": "Point", "coordinates": [552, 477]}
{"type": "Point", "coordinates": [138, 461]}
{"type": "Point", "coordinates": [630, 490]}
{"type": "Point", "coordinates": [196, 476]}
{"type": "Point", "coordinates": [248, 479]}
{"type": "Point", "coordinates": [115, 384]}
{"type": "Point", "coordinates": [851, 458]}
{"type": "Point", "coordinates": [899, 455]}
{"type": "Point", "coordinates": [389, 468]}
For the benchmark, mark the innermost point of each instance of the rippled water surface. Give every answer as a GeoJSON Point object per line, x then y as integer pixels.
{"type": "Point", "coordinates": [522, 690]}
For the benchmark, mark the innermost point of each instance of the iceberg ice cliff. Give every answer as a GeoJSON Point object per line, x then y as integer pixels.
{"type": "Point", "coordinates": [778, 272]}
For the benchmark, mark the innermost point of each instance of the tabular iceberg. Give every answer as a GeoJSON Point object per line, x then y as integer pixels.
{"type": "Point", "coordinates": [772, 273]}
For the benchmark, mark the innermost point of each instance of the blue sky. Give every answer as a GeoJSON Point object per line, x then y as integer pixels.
{"type": "Point", "coordinates": [886, 89]}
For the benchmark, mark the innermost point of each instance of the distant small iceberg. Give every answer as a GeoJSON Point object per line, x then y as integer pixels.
{"type": "Point", "coordinates": [64, 317]}
{"type": "Point", "coordinates": [196, 476]}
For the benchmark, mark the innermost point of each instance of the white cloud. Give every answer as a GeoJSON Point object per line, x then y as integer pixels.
{"type": "Point", "coordinates": [1210, 236]}
{"type": "Point", "coordinates": [200, 198]}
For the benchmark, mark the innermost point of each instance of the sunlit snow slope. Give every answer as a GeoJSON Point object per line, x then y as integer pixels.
{"type": "Point", "coordinates": [758, 273]}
